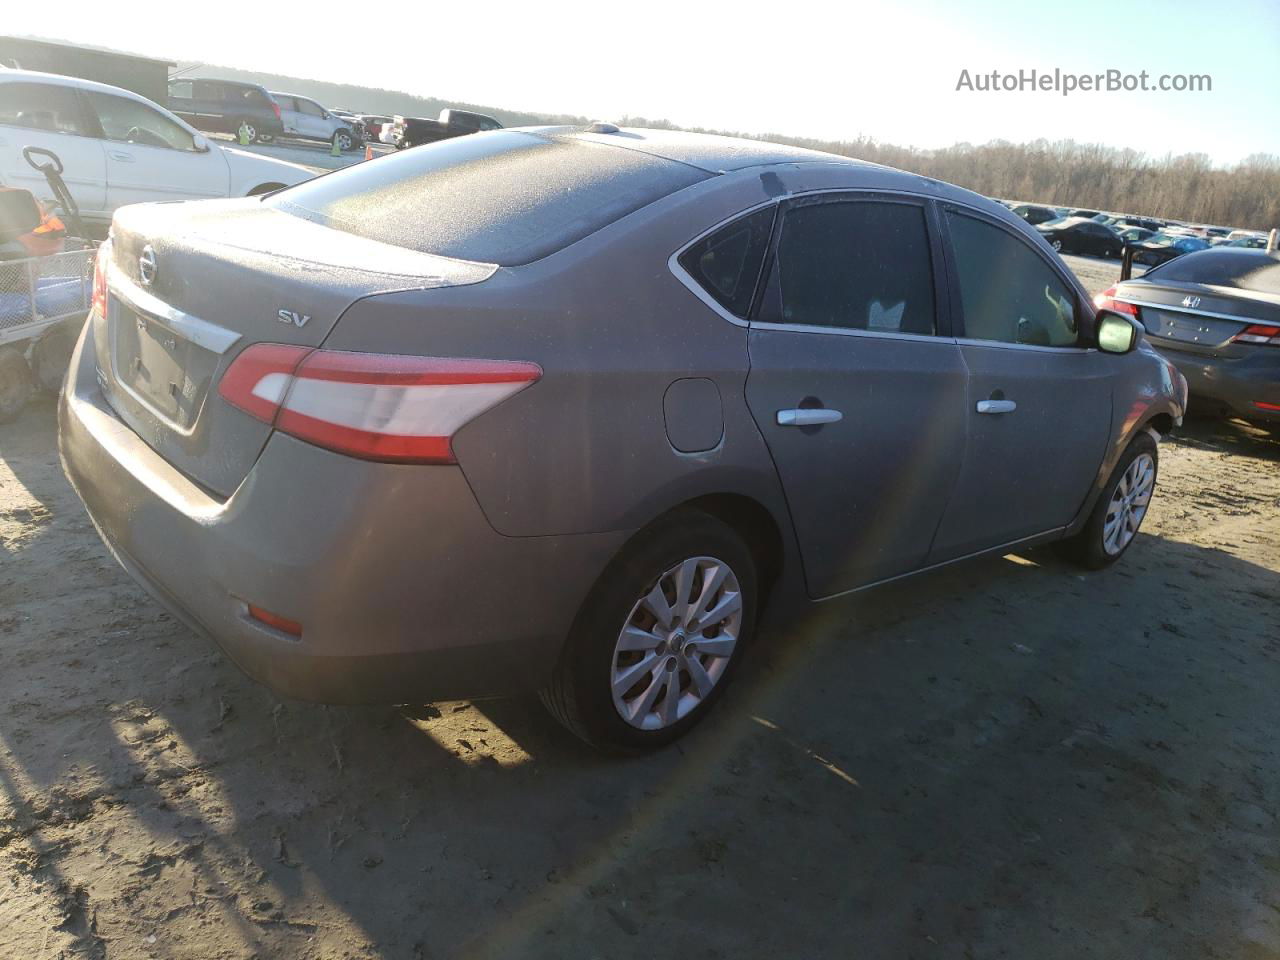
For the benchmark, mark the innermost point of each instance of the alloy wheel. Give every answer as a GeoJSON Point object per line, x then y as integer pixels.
{"type": "Point", "coordinates": [1128, 504]}
{"type": "Point", "coordinates": [676, 643]}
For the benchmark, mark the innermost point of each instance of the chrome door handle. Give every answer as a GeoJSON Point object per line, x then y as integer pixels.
{"type": "Point", "coordinates": [996, 406]}
{"type": "Point", "coordinates": [808, 417]}
{"type": "Point", "coordinates": [125, 157]}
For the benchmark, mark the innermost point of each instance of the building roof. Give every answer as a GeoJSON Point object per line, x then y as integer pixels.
{"type": "Point", "coordinates": [79, 50]}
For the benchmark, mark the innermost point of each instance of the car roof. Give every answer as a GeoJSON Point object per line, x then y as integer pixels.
{"type": "Point", "coordinates": [300, 96]}
{"type": "Point", "coordinates": [710, 152]}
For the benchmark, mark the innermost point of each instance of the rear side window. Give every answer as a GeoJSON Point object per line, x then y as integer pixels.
{"type": "Point", "coordinates": [504, 197]}
{"type": "Point", "coordinates": [727, 263]}
{"type": "Point", "coordinates": [858, 265]}
{"type": "Point", "coordinates": [1008, 294]}
{"type": "Point", "coordinates": [42, 106]}
{"type": "Point", "coordinates": [182, 89]}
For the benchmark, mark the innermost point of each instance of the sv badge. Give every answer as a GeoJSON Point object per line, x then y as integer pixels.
{"type": "Point", "coordinates": [292, 316]}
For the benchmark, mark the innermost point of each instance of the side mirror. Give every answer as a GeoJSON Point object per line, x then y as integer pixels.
{"type": "Point", "coordinates": [201, 143]}
{"type": "Point", "coordinates": [1116, 332]}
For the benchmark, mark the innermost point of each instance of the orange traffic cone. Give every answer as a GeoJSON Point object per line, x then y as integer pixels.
{"type": "Point", "coordinates": [368, 151]}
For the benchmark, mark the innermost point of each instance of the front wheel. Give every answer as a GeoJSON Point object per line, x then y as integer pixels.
{"type": "Point", "coordinates": [1057, 245]}
{"type": "Point", "coordinates": [343, 140]}
{"type": "Point", "coordinates": [659, 636]}
{"type": "Point", "coordinates": [1122, 506]}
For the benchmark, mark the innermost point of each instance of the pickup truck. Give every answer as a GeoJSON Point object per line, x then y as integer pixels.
{"type": "Point", "coordinates": [414, 131]}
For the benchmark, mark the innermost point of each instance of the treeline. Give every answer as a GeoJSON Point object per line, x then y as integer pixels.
{"type": "Point", "coordinates": [1065, 173]}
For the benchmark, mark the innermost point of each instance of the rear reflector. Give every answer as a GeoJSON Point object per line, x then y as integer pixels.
{"type": "Point", "coordinates": [370, 405]}
{"type": "Point", "coordinates": [1106, 301]}
{"type": "Point", "coordinates": [275, 621]}
{"type": "Point", "coordinates": [1258, 333]}
{"type": "Point", "coordinates": [99, 301]}
{"type": "Point", "coordinates": [1263, 405]}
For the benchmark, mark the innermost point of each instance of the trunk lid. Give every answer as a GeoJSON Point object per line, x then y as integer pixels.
{"type": "Point", "coordinates": [192, 284]}
{"type": "Point", "coordinates": [1196, 318]}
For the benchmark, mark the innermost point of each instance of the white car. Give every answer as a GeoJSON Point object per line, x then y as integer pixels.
{"type": "Point", "coordinates": [118, 148]}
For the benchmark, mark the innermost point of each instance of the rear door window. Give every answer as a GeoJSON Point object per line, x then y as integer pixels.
{"type": "Point", "coordinates": [1008, 294]}
{"type": "Point", "coordinates": [504, 197]}
{"type": "Point", "coordinates": [853, 264]}
{"type": "Point", "coordinates": [308, 107]}
{"type": "Point", "coordinates": [727, 263]}
{"type": "Point", "coordinates": [43, 106]}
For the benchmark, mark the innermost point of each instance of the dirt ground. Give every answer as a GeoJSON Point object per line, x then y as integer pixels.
{"type": "Point", "coordinates": [1005, 759]}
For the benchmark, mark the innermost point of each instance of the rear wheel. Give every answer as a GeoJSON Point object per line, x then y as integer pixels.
{"type": "Point", "coordinates": [248, 129]}
{"type": "Point", "coordinates": [1113, 524]}
{"type": "Point", "coordinates": [15, 383]}
{"type": "Point", "coordinates": [1056, 244]}
{"type": "Point", "coordinates": [52, 355]}
{"type": "Point", "coordinates": [659, 636]}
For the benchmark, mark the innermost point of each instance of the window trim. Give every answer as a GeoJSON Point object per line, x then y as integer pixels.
{"type": "Point", "coordinates": [941, 299]}
{"type": "Point", "coordinates": [957, 305]}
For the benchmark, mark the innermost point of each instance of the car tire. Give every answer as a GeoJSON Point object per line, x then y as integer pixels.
{"type": "Point", "coordinates": [1120, 509]}
{"type": "Point", "coordinates": [1057, 245]}
{"type": "Point", "coordinates": [250, 129]}
{"type": "Point", "coordinates": [344, 140]}
{"type": "Point", "coordinates": [51, 356]}
{"type": "Point", "coordinates": [617, 635]}
{"type": "Point", "coordinates": [15, 383]}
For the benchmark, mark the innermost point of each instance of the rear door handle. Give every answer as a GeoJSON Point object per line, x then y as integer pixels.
{"type": "Point", "coordinates": [996, 406]}
{"type": "Point", "coordinates": [808, 417]}
{"type": "Point", "coordinates": [124, 157]}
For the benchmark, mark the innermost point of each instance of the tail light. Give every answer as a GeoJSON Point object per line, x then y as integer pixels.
{"type": "Point", "coordinates": [276, 107]}
{"type": "Point", "coordinates": [370, 405]}
{"type": "Point", "coordinates": [99, 301]}
{"type": "Point", "coordinates": [1259, 333]}
{"type": "Point", "coordinates": [1106, 301]}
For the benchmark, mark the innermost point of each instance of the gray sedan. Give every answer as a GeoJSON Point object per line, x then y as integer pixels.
{"type": "Point", "coordinates": [565, 410]}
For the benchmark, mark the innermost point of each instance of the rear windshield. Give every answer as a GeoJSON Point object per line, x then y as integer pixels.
{"type": "Point", "coordinates": [1247, 270]}
{"type": "Point", "coordinates": [505, 197]}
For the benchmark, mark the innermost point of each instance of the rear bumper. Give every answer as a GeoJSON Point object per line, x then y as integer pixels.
{"type": "Point", "coordinates": [403, 589]}
{"type": "Point", "coordinates": [1232, 384]}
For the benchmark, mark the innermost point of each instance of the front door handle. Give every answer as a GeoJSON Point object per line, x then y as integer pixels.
{"type": "Point", "coordinates": [123, 157]}
{"type": "Point", "coordinates": [808, 417]}
{"type": "Point", "coordinates": [996, 406]}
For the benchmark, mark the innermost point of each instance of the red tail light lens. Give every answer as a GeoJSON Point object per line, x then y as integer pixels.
{"type": "Point", "coordinates": [373, 406]}
{"type": "Point", "coordinates": [1106, 301]}
{"type": "Point", "coordinates": [99, 301]}
{"type": "Point", "coordinates": [274, 620]}
{"type": "Point", "coordinates": [1259, 333]}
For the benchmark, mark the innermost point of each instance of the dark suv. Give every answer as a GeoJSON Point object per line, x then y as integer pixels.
{"type": "Point", "coordinates": [225, 106]}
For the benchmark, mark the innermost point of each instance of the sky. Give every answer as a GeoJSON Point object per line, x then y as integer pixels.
{"type": "Point", "coordinates": [826, 70]}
